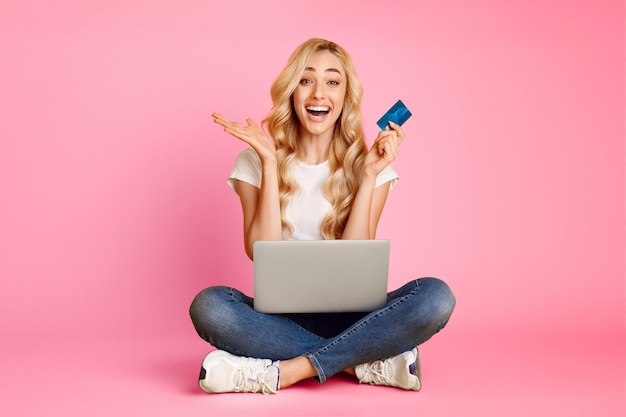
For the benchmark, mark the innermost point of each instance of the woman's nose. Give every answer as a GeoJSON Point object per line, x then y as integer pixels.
{"type": "Point", "coordinates": [318, 91]}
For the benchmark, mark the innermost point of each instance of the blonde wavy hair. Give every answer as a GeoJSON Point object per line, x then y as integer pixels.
{"type": "Point", "coordinates": [348, 147]}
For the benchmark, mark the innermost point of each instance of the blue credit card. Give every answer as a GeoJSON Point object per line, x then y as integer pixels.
{"type": "Point", "coordinates": [398, 113]}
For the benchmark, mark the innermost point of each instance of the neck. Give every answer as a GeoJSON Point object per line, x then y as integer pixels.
{"type": "Point", "coordinates": [314, 148]}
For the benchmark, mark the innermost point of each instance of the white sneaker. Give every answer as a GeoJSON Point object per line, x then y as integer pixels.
{"type": "Point", "coordinates": [223, 372]}
{"type": "Point", "coordinates": [402, 371]}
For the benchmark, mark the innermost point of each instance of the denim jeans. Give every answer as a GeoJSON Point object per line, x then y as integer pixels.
{"type": "Point", "coordinates": [225, 318]}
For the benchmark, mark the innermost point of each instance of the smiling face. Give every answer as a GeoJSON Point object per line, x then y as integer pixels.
{"type": "Point", "coordinates": [318, 99]}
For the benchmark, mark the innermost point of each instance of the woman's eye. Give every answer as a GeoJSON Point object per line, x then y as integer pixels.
{"type": "Point", "coordinates": [333, 82]}
{"type": "Point", "coordinates": [305, 81]}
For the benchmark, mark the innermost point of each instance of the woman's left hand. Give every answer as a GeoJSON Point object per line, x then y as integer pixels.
{"type": "Point", "coordinates": [384, 150]}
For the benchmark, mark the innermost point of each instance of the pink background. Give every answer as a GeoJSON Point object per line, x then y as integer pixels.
{"type": "Point", "coordinates": [114, 210]}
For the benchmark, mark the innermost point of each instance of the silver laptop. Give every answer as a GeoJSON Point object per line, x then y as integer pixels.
{"type": "Point", "coordinates": [320, 276]}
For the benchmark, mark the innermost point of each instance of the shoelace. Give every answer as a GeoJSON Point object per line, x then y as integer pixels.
{"type": "Point", "coordinates": [378, 373]}
{"type": "Point", "coordinates": [250, 379]}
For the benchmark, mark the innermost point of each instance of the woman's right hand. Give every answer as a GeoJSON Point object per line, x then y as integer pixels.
{"type": "Point", "coordinates": [251, 134]}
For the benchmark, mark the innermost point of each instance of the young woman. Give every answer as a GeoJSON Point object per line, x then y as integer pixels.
{"type": "Point", "coordinates": [313, 177]}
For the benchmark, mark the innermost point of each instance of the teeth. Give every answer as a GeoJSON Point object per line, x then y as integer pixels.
{"type": "Point", "coordinates": [318, 108]}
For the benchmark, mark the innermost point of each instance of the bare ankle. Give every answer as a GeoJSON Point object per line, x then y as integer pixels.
{"type": "Point", "coordinates": [295, 370]}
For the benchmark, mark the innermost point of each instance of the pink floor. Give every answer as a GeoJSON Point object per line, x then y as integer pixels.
{"type": "Point", "coordinates": [482, 374]}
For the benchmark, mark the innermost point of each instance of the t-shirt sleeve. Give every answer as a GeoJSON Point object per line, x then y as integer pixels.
{"type": "Point", "coordinates": [386, 175]}
{"type": "Point", "coordinates": [247, 168]}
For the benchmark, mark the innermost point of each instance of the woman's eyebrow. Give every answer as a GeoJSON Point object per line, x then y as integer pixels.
{"type": "Point", "coordinates": [327, 70]}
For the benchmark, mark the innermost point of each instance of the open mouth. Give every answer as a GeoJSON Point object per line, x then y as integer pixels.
{"type": "Point", "coordinates": [318, 111]}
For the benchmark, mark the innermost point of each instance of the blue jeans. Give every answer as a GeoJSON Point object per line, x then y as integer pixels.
{"type": "Point", "coordinates": [225, 318]}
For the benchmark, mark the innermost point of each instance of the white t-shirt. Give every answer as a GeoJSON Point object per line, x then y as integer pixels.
{"type": "Point", "coordinates": [308, 208]}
